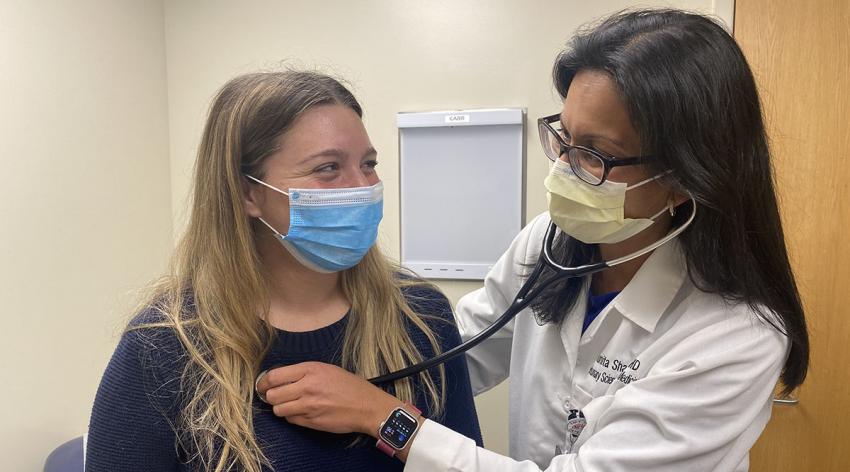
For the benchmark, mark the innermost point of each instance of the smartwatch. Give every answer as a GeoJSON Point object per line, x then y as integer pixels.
{"type": "Point", "coordinates": [395, 432]}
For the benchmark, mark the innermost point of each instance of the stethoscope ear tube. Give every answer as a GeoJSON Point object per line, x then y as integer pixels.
{"type": "Point", "coordinates": [528, 292]}
{"type": "Point", "coordinates": [523, 298]}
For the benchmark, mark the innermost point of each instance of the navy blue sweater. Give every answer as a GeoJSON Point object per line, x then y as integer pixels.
{"type": "Point", "coordinates": [139, 400]}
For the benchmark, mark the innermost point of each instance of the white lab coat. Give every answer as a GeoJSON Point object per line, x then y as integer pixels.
{"type": "Point", "coordinates": [668, 377]}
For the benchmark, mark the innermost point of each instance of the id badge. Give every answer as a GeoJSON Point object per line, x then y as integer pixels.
{"type": "Point", "coordinates": [575, 425]}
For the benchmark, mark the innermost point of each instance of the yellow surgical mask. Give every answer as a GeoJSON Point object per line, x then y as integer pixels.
{"type": "Point", "coordinates": [592, 214]}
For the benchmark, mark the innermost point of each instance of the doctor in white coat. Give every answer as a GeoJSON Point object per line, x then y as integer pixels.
{"type": "Point", "coordinates": [665, 363]}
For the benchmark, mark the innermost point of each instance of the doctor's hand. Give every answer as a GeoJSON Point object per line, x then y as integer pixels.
{"type": "Point", "coordinates": [327, 398]}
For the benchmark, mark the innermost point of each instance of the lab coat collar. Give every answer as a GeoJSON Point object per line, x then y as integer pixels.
{"type": "Point", "coordinates": [653, 287]}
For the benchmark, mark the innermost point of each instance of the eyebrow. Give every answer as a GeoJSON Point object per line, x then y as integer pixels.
{"type": "Point", "coordinates": [613, 141]}
{"type": "Point", "coordinates": [338, 153]}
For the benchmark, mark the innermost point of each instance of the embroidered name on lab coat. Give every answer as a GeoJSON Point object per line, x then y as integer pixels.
{"type": "Point", "coordinates": [610, 370]}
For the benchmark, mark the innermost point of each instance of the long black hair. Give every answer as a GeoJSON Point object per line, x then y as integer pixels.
{"type": "Point", "coordinates": [693, 101]}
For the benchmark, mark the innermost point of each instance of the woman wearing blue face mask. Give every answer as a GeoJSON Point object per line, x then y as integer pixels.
{"type": "Point", "coordinates": [664, 363]}
{"type": "Point", "coordinates": [278, 266]}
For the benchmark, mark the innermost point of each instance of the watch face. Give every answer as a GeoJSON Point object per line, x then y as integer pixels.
{"type": "Point", "coordinates": [398, 428]}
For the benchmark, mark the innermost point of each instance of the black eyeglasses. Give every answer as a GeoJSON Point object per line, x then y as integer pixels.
{"type": "Point", "coordinates": [589, 165]}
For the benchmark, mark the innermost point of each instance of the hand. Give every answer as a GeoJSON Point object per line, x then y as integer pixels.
{"type": "Point", "coordinates": [326, 397]}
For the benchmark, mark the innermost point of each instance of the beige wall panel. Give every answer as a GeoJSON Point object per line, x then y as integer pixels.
{"type": "Point", "coordinates": [84, 204]}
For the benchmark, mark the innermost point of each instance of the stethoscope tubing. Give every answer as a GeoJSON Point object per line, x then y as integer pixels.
{"type": "Point", "coordinates": [526, 294]}
{"type": "Point", "coordinates": [524, 297]}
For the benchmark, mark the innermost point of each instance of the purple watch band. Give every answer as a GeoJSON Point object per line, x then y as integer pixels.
{"type": "Point", "coordinates": [385, 448]}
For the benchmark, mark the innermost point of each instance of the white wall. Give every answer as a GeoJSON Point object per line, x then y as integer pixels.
{"type": "Point", "coordinates": [84, 204]}
{"type": "Point", "coordinates": [89, 195]}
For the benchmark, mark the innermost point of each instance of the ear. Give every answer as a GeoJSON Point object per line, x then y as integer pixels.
{"type": "Point", "coordinates": [674, 199]}
{"type": "Point", "coordinates": [253, 197]}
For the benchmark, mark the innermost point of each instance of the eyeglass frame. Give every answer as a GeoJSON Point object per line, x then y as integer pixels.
{"type": "Point", "coordinates": [608, 161]}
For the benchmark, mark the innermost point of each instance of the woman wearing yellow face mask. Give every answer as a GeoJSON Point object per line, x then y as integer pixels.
{"type": "Point", "coordinates": [664, 363]}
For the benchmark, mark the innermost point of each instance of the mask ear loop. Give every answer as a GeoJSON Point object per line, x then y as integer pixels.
{"type": "Point", "coordinates": [663, 210]}
{"type": "Point", "coordinates": [671, 208]}
{"type": "Point", "coordinates": [646, 181]}
{"type": "Point", "coordinates": [276, 232]}
{"type": "Point", "coordinates": [265, 184]}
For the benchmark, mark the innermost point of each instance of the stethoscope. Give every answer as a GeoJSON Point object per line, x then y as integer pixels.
{"type": "Point", "coordinates": [525, 296]}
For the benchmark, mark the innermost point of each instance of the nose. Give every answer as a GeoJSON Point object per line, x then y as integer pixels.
{"type": "Point", "coordinates": [565, 154]}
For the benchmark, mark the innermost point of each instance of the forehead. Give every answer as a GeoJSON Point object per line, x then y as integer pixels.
{"type": "Point", "coordinates": [320, 134]}
{"type": "Point", "coordinates": [592, 96]}
{"type": "Point", "coordinates": [594, 107]}
{"type": "Point", "coordinates": [325, 126]}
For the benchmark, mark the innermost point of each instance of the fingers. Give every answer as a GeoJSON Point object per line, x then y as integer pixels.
{"type": "Point", "coordinates": [283, 394]}
{"type": "Point", "coordinates": [309, 414]}
{"type": "Point", "coordinates": [291, 410]}
{"type": "Point", "coordinates": [280, 376]}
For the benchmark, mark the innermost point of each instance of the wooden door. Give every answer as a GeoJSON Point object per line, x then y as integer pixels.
{"type": "Point", "coordinates": [800, 53]}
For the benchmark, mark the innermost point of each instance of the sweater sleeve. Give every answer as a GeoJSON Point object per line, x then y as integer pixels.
{"type": "Point", "coordinates": [459, 412]}
{"type": "Point", "coordinates": [136, 405]}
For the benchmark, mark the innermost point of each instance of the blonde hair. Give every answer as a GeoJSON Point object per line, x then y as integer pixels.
{"type": "Point", "coordinates": [215, 287]}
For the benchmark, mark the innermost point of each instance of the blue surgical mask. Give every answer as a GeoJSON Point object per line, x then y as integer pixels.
{"type": "Point", "coordinates": [331, 229]}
